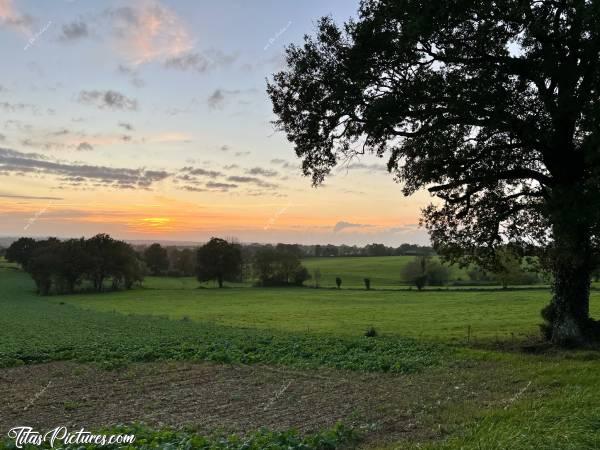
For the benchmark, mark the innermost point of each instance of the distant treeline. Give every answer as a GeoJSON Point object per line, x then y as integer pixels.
{"type": "Point", "coordinates": [101, 263]}
{"type": "Point", "coordinates": [220, 260]}
{"type": "Point", "coordinates": [368, 250]}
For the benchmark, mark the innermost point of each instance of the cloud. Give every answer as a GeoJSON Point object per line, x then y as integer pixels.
{"type": "Point", "coordinates": [126, 125]}
{"type": "Point", "coordinates": [219, 97]}
{"type": "Point", "coordinates": [261, 171]}
{"type": "Point", "coordinates": [252, 180]}
{"type": "Point", "coordinates": [2, 137]}
{"type": "Point", "coordinates": [365, 167]}
{"type": "Point", "coordinates": [344, 225]}
{"type": "Point", "coordinates": [45, 145]}
{"type": "Point", "coordinates": [13, 162]}
{"type": "Point", "coordinates": [108, 99]}
{"type": "Point", "coordinates": [405, 228]}
{"type": "Point", "coordinates": [73, 31]}
{"type": "Point", "coordinates": [19, 107]}
{"type": "Point", "coordinates": [29, 197]}
{"type": "Point", "coordinates": [221, 186]}
{"type": "Point", "coordinates": [241, 154]}
{"type": "Point", "coordinates": [133, 74]}
{"type": "Point", "coordinates": [216, 100]}
{"type": "Point", "coordinates": [284, 164]}
{"type": "Point", "coordinates": [201, 172]}
{"type": "Point", "coordinates": [85, 146]}
{"type": "Point", "coordinates": [10, 17]}
{"type": "Point", "coordinates": [200, 62]}
{"type": "Point", "coordinates": [147, 32]}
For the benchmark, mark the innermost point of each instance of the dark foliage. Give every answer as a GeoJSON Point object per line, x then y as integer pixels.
{"type": "Point", "coordinates": [219, 260]}
{"type": "Point", "coordinates": [20, 251]}
{"type": "Point", "coordinates": [156, 259]}
{"type": "Point", "coordinates": [62, 266]}
{"type": "Point", "coordinates": [491, 105]}
{"type": "Point", "coordinates": [422, 271]}
{"type": "Point", "coordinates": [279, 266]}
{"type": "Point", "coordinates": [338, 282]}
{"type": "Point", "coordinates": [371, 332]}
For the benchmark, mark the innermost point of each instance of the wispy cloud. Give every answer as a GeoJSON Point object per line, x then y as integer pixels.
{"type": "Point", "coordinates": [126, 126]}
{"type": "Point", "coordinates": [13, 162]}
{"type": "Point", "coordinates": [252, 180]}
{"type": "Point", "coordinates": [10, 17]}
{"type": "Point", "coordinates": [147, 32]}
{"type": "Point", "coordinates": [200, 62]}
{"type": "Point", "coordinates": [342, 225]}
{"type": "Point", "coordinates": [29, 197]}
{"type": "Point", "coordinates": [108, 100]}
{"type": "Point", "coordinates": [262, 172]}
{"type": "Point", "coordinates": [85, 146]}
{"type": "Point", "coordinates": [220, 97]}
{"type": "Point", "coordinates": [73, 31]}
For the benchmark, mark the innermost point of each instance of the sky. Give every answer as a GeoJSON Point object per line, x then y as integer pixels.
{"type": "Point", "coordinates": [149, 120]}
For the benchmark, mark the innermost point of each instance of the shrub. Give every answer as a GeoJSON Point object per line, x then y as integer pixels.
{"type": "Point", "coordinates": [338, 282]}
{"type": "Point", "coordinates": [371, 332]}
{"type": "Point", "coordinates": [301, 275]}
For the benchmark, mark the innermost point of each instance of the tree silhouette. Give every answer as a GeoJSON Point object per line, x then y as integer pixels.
{"type": "Point", "coordinates": [219, 260]}
{"type": "Point", "coordinates": [156, 259]}
{"type": "Point", "coordinates": [491, 105]}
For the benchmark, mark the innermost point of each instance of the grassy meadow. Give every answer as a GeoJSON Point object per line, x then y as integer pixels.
{"type": "Point", "coordinates": [459, 353]}
{"type": "Point", "coordinates": [385, 272]}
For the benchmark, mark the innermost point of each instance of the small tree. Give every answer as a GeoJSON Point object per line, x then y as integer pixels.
{"type": "Point", "coordinates": [219, 260]}
{"type": "Point", "coordinates": [301, 275]}
{"type": "Point", "coordinates": [156, 259]}
{"type": "Point", "coordinates": [367, 283]}
{"type": "Point", "coordinates": [338, 282]}
{"type": "Point", "coordinates": [423, 270]}
{"type": "Point", "coordinates": [317, 277]}
{"type": "Point", "coordinates": [20, 251]}
{"type": "Point", "coordinates": [415, 272]}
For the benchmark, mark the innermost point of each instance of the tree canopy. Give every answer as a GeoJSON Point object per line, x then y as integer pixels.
{"type": "Point", "coordinates": [219, 260]}
{"type": "Point", "coordinates": [61, 266]}
{"type": "Point", "coordinates": [491, 105]}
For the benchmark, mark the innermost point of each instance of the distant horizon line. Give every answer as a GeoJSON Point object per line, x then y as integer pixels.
{"type": "Point", "coordinates": [189, 243]}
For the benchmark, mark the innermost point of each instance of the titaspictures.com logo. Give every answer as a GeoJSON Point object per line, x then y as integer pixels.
{"type": "Point", "coordinates": [61, 436]}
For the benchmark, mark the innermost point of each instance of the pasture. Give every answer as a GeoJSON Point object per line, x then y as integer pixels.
{"type": "Point", "coordinates": [449, 369]}
{"type": "Point", "coordinates": [384, 271]}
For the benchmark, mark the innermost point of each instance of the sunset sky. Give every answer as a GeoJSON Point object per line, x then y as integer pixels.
{"type": "Point", "coordinates": [149, 120]}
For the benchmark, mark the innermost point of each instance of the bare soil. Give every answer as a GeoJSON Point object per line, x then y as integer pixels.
{"type": "Point", "coordinates": [232, 398]}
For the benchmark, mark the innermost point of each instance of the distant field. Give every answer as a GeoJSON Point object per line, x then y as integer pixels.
{"type": "Point", "coordinates": [384, 271]}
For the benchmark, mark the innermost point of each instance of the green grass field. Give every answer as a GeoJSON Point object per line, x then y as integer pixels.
{"type": "Point", "coordinates": [385, 271]}
{"type": "Point", "coordinates": [433, 315]}
{"type": "Point", "coordinates": [552, 400]}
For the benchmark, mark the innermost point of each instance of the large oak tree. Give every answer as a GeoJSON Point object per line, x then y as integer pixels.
{"type": "Point", "coordinates": [491, 105]}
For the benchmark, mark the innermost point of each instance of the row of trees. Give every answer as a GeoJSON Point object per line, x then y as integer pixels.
{"type": "Point", "coordinates": [63, 266]}
{"type": "Point", "coordinates": [510, 268]}
{"type": "Point", "coordinates": [278, 265]}
{"type": "Point", "coordinates": [170, 261]}
{"type": "Point", "coordinates": [368, 250]}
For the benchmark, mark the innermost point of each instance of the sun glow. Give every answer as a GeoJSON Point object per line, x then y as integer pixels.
{"type": "Point", "coordinates": [155, 224]}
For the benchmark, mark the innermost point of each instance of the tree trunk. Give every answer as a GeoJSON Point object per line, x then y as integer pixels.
{"type": "Point", "coordinates": [220, 281]}
{"type": "Point", "coordinates": [568, 315]}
